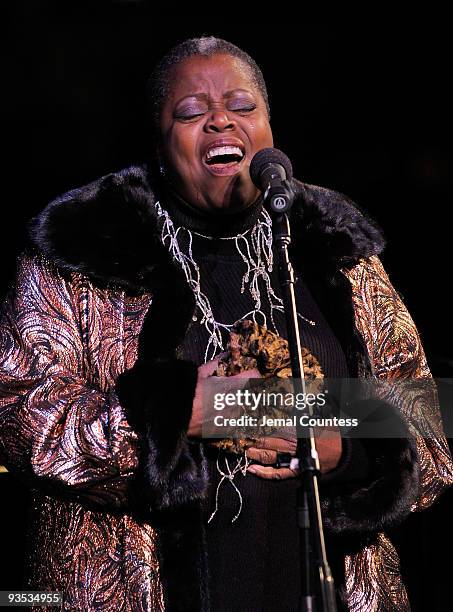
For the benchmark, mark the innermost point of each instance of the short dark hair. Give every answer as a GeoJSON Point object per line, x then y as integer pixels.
{"type": "Point", "coordinates": [158, 82]}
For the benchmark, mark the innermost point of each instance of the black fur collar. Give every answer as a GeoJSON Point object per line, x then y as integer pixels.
{"type": "Point", "coordinates": [108, 230]}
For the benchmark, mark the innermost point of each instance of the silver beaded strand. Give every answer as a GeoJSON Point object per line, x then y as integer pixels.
{"type": "Point", "coordinates": [229, 475]}
{"type": "Point", "coordinates": [255, 248]}
{"type": "Point", "coordinates": [256, 252]}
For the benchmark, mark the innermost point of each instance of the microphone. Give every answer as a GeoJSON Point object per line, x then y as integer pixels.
{"type": "Point", "coordinates": [271, 171]}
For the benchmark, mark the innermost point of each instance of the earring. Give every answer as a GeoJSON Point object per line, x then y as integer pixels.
{"type": "Point", "coordinates": [162, 170]}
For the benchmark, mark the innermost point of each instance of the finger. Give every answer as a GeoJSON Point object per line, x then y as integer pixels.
{"type": "Point", "coordinates": [270, 473]}
{"type": "Point", "coordinates": [277, 444]}
{"type": "Point", "coordinates": [253, 373]}
{"type": "Point", "coordinates": [262, 455]}
{"type": "Point", "coordinates": [207, 369]}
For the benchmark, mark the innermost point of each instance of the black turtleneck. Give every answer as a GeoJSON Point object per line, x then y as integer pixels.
{"type": "Point", "coordinates": [254, 562]}
{"type": "Point", "coordinates": [221, 272]}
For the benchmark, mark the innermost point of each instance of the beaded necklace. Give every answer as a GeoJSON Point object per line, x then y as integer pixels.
{"type": "Point", "coordinates": [255, 248]}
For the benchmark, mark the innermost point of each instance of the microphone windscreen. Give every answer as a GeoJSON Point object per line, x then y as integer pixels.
{"type": "Point", "coordinates": [269, 156]}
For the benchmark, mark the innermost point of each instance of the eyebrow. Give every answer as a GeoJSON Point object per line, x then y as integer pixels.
{"type": "Point", "coordinates": [205, 96]}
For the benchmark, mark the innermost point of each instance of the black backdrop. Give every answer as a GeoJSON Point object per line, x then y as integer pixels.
{"type": "Point", "coordinates": [364, 109]}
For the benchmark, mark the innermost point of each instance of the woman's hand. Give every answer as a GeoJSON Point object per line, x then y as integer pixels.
{"type": "Point", "coordinates": [204, 371]}
{"type": "Point", "coordinates": [328, 445]}
{"type": "Point", "coordinates": [328, 440]}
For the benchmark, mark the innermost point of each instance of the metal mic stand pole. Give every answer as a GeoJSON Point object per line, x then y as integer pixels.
{"type": "Point", "coordinates": [320, 595]}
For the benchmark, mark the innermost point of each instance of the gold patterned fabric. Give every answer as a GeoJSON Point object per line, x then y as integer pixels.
{"type": "Point", "coordinates": [373, 580]}
{"type": "Point", "coordinates": [63, 344]}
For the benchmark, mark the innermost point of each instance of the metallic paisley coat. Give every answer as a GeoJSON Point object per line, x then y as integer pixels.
{"type": "Point", "coordinates": [71, 327]}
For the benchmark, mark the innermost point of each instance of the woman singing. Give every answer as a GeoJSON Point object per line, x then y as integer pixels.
{"type": "Point", "coordinates": [127, 298]}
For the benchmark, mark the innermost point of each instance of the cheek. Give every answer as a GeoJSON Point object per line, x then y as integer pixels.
{"type": "Point", "coordinates": [181, 149]}
{"type": "Point", "coordinates": [261, 134]}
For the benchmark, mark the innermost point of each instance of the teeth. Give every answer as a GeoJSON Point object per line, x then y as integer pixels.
{"type": "Point", "coordinates": [214, 152]}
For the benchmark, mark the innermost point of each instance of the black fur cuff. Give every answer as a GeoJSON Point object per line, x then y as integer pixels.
{"type": "Point", "coordinates": [157, 396]}
{"type": "Point", "coordinates": [381, 500]}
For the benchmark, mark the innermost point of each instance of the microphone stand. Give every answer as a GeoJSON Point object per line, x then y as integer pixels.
{"type": "Point", "coordinates": [317, 586]}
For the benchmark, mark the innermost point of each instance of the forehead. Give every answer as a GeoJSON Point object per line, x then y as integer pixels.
{"type": "Point", "coordinates": [205, 74]}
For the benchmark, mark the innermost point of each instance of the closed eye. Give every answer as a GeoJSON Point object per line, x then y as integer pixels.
{"type": "Point", "coordinates": [244, 109]}
{"type": "Point", "coordinates": [189, 116]}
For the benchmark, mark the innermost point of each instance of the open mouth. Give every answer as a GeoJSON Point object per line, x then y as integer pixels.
{"type": "Point", "coordinates": [224, 157]}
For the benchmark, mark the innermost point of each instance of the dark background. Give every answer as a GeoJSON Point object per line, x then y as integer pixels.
{"type": "Point", "coordinates": [364, 109]}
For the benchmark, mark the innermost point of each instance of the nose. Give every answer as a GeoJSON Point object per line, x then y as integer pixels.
{"type": "Point", "coordinates": [219, 121]}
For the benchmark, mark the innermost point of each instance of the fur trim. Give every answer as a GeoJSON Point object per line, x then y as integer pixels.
{"type": "Point", "coordinates": [332, 292]}
{"type": "Point", "coordinates": [174, 470]}
{"type": "Point", "coordinates": [384, 499]}
{"type": "Point", "coordinates": [183, 559]}
{"type": "Point", "coordinates": [172, 478]}
{"type": "Point", "coordinates": [108, 230]}
{"type": "Point", "coordinates": [328, 225]}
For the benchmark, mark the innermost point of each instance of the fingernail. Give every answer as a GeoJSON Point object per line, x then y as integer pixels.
{"type": "Point", "coordinates": [251, 469]}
